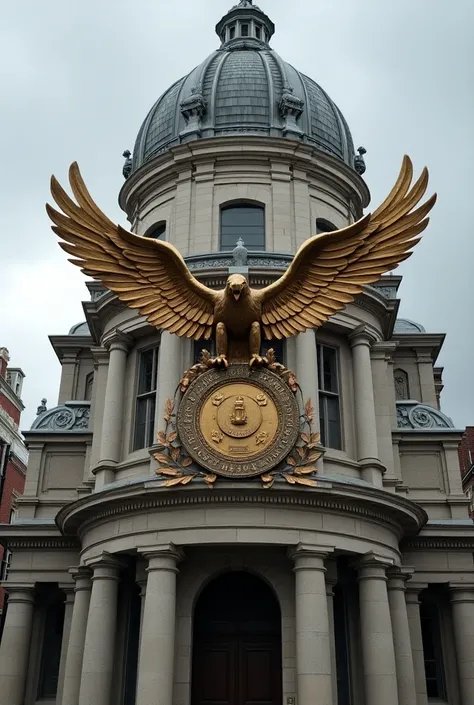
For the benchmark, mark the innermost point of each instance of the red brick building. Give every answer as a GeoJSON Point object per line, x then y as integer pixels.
{"type": "Point", "coordinates": [466, 461]}
{"type": "Point", "coordinates": [13, 453]}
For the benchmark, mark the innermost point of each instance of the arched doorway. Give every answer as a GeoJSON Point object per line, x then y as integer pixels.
{"type": "Point", "coordinates": [237, 643]}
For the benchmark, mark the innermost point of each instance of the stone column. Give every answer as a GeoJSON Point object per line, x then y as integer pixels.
{"type": "Point", "coordinates": [331, 580]}
{"type": "Point", "coordinates": [462, 601]}
{"type": "Point", "coordinates": [307, 376]}
{"type": "Point", "coordinates": [68, 590]}
{"type": "Point", "coordinates": [68, 383]}
{"type": "Point", "coordinates": [414, 623]}
{"type": "Point", "coordinates": [169, 372]}
{"type": "Point", "coordinates": [77, 633]}
{"type": "Point", "coordinates": [397, 578]}
{"type": "Point", "coordinates": [101, 365]}
{"type": "Point", "coordinates": [111, 440]}
{"type": "Point", "coordinates": [313, 643]}
{"type": "Point", "coordinates": [365, 420]}
{"type": "Point", "coordinates": [384, 400]}
{"type": "Point", "coordinates": [378, 653]}
{"type": "Point", "coordinates": [156, 660]}
{"type": "Point", "coordinates": [97, 662]}
{"type": "Point", "coordinates": [15, 644]}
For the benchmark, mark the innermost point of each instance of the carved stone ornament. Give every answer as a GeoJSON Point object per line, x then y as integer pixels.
{"type": "Point", "coordinates": [421, 417]}
{"type": "Point", "coordinates": [224, 426]}
{"type": "Point", "coordinates": [71, 416]}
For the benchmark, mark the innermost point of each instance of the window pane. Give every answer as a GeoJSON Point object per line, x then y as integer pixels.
{"type": "Point", "coordinates": [140, 424]}
{"type": "Point", "coordinates": [243, 221]}
{"type": "Point", "coordinates": [244, 30]}
{"type": "Point", "coordinates": [53, 631]}
{"type": "Point", "coordinates": [157, 231]}
{"type": "Point", "coordinates": [333, 422]}
{"type": "Point", "coordinates": [150, 421]}
{"type": "Point", "coordinates": [432, 650]}
{"type": "Point", "coordinates": [322, 418]}
{"type": "Point", "coordinates": [324, 226]}
{"type": "Point", "coordinates": [257, 32]}
{"type": "Point", "coordinates": [148, 370]}
{"type": "Point", "coordinates": [329, 373]}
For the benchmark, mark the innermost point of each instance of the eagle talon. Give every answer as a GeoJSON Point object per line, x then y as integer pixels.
{"type": "Point", "coordinates": [258, 361]}
{"type": "Point", "coordinates": [220, 362]}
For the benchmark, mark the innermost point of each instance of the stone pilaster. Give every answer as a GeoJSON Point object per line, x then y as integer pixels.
{"type": "Point", "coordinates": [462, 602]}
{"type": "Point", "coordinates": [307, 375]}
{"type": "Point", "coordinates": [110, 448]}
{"type": "Point", "coordinates": [156, 660]}
{"type": "Point", "coordinates": [15, 644]}
{"type": "Point", "coordinates": [397, 578]}
{"type": "Point", "coordinates": [384, 400]}
{"type": "Point", "coordinates": [366, 424]}
{"type": "Point", "coordinates": [313, 642]}
{"type": "Point", "coordinates": [426, 375]}
{"type": "Point", "coordinates": [77, 633]}
{"type": "Point", "coordinates": [414, 623]}
{"type": "Point", "coordinates": [378, 653]}
{"type": "Point", "coordinates": [170, 371]}
{"type": "Point", "coordinates": [97, 663]}
{"type": "Point", "coordinates": [101, 365]}
{"type": "Point", "coordinates": [69, 370]}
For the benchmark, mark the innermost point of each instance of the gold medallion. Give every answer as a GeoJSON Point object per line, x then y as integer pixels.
{"type": "Point", "coordinates": [238, 422]}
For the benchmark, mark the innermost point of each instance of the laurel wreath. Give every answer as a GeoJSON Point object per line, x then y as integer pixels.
{"type": "Point", "coordinates": [178, 468]}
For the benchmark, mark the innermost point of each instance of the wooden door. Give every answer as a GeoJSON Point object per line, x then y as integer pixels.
{"type": "Point", "coordinates": [237, 644]}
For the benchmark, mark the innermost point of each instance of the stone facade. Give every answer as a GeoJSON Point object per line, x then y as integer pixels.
{"type": "Point", "coordinates": [371, 573]}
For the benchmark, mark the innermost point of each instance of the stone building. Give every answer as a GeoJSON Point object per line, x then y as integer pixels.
{"type": "Point", "coordinates": [359, 591]}
{"type": "Point", "coordinates": [466, 461]}
{"type": "Point", "coordinates": [13, 454]}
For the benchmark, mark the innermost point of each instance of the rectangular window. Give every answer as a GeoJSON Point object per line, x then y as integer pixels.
{"type": "Point", "coordinates": [146, 399]}
{"type": "Point", "coordinates": [432, 650]}
{"type": "Point", "coordinates": [232, 32]}
{"type": "Point", "coordinates": [7, 559]}
{"type": "Point", "coordinates": [258, 32]}
{"type": "Point", "coordinates": [244, 30]}
{"type": "Point", "coordinates": [243, 221]}
{"type": "Point", "coordinates": [329, 410]}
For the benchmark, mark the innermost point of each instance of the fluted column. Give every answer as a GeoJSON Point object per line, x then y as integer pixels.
{"type": "Point", "coordinates": [397, 578]}
{"type": "Point", "coordinates": [378, 653]}
{"type": "Point", "coordinates": [15, 644]}
{"type": "Point", "coordinates": [313, 643]}
{"type": "Point", "coordinates": [68, 590]}
{"type": "Point", "coordinates": [414, 622]}
{"type": "Point", "coordinates": [462, 601]}
{"type": "Point", "coordinates": [97, 663]}
{"type": "Point", "coordinates": [156, 660]}
{"type": "Point", "coordinates": [365, 419]}
{"type": "Point", "coordinates": [110, 447]}
{"type": "Point", "coordinates": [77, 633]}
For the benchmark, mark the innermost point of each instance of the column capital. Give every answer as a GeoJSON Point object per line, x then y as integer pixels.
{"type": "Point", "coordinates": [308, 557]}
{"type": "Point", "coordinates": [69, 590]}
{"type": "Point", "coordinates": [461, 592]}
{"type": "Point", "coordinates": [413, 590]}
{"type": "Point", "coordinates": [372, 566]}
{"type": "Point", "coordinates": [117, 340]}
{"type": "Point", "coordinates": [362, 335]}
{"type": "Point", "coordinates": [398, 577]}
{"type": "Point", "coordinates": [105, 567]}
{"type": "Point", "coordinates": [383, 350]}
{"type": "Point", "coordinates": [82, 577]}
{"type": "Point", "coordinates": [162, 557]}
{"type": "Point", "coordinates": [20, 593]}
{"type": "Point", "coordinates": [100, 356]}
{"type": "Point", "coordinates": [331, 576]}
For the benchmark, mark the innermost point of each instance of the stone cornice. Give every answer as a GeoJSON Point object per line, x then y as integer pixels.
{"type": "Point", "coordinates": [400, 514]}
{"type": "Point", "coordinates": [69, 344]}
{"type": "Point", "coordinates": [423, 343]}
{"type": "Point", "coordinates": [429, 543]}
{"type": "Point", "coordinates": [36, 536]}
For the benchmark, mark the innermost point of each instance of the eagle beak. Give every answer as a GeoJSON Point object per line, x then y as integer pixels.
{"type": "Point", "coordinates": [236, 294]}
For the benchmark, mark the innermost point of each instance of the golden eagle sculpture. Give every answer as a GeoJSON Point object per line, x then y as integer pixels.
{"type": "Point", "coordinates": [328, 271]}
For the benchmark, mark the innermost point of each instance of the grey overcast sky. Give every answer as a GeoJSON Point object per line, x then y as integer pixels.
{"type": "Point", "coordinates": [77, 78]}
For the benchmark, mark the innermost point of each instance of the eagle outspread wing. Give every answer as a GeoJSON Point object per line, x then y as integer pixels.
{"type": "Point", "coordinates": [331, 269]}
{"type": "Point", "coordinates": [146, 274]}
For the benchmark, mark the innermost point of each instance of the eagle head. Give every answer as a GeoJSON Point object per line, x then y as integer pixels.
{"type": "Point", "coordinates": [237, 285]}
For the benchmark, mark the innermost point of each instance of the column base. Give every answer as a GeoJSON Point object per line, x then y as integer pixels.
{"type": "Point", "coordinates": [104, 474]}
{"type": "Point", "coordinates": [372, 470]}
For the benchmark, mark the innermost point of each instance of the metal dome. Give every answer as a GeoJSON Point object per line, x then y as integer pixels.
{"type": "Point", "coordinates": [245, 88]}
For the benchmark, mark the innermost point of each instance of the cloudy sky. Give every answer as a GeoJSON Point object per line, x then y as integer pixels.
{"type": "Point", "coordinates": [78, 76]}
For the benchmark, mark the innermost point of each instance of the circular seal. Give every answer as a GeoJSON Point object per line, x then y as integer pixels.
{"type": "Point", "coordinates": [238, 422]}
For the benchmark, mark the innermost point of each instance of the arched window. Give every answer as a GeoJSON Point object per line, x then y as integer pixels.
{"type": "Point", "coordinates": [246, 221]}
{"type": "Point", "coordinates": [402, 390]}
{"type": "Point", "coordinates": [324, 226]}
{"type": "Point", "coordinates": [158, 230]}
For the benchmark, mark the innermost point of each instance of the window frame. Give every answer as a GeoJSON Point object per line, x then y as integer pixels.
{"type": "Point", "coordinates": [241, 204]}
{"type": "Point", "coordinates": [439, 660]}
{"type": "Point", "coordinates": [325, 394]}
{"type": "Point", "coordinates": [149, 396]}
{"type": "Point", "coordinates": [324, 226]}
{"type": "Point", "coordinates": [159, 225]}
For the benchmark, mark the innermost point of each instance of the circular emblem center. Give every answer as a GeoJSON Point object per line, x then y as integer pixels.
{"type": "Point", "coordinates": [238, 422]}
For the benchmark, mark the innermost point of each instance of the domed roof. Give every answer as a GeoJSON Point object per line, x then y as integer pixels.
{"type": "Point", "coordinates": [404, 325]}
{"type": "Point", "coordinates": [80, 329]}
{"type": "Point", "coordinates": [245, 88]}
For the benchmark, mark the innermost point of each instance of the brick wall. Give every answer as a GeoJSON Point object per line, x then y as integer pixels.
{"type": "Point", "coordinates": [13, 485]}
{"type": "Point", "coordinates": [466, 450]}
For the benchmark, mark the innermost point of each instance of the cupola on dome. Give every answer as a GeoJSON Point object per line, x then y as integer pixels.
{"type": "Point", "coordinates": [244, 88]}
